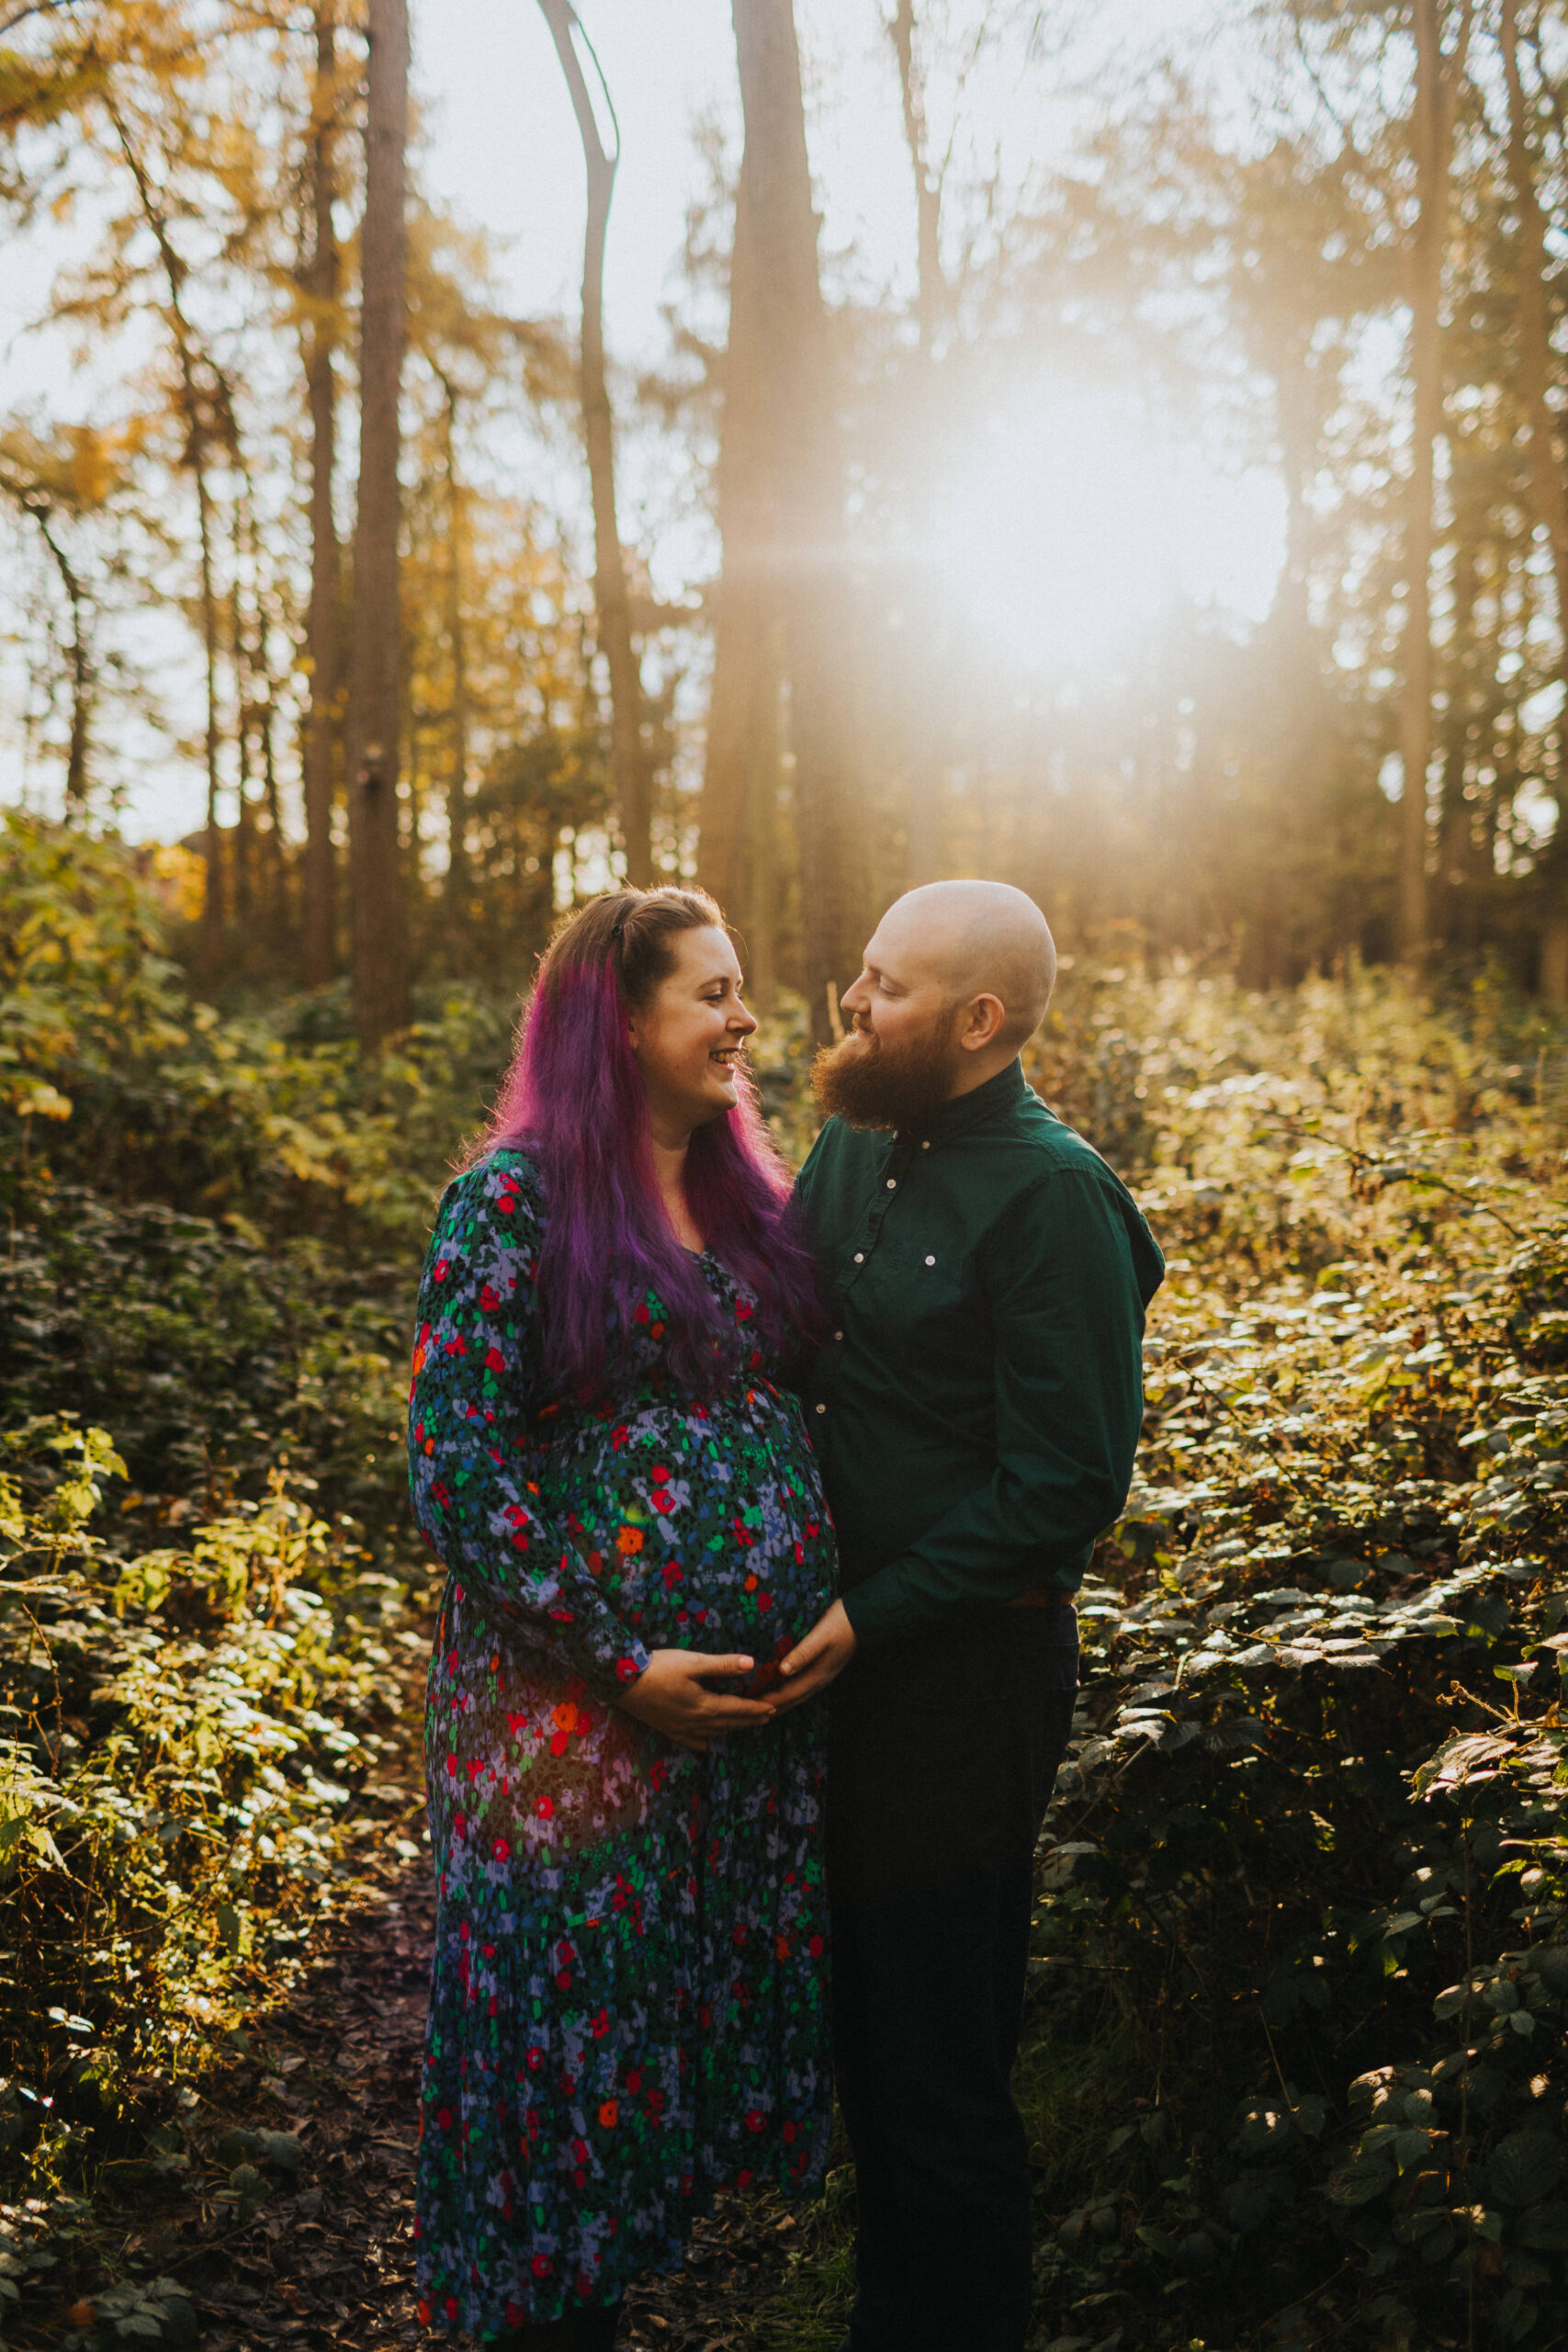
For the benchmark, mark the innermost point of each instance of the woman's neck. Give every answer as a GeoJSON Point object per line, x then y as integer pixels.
{"type": "Point", "coordinates": [669, 1151]}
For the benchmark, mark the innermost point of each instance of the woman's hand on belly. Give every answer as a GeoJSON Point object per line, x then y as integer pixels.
{"type": "Point", "coordinates": [817, 1660]}
{"type": "Point", "coordinates": [671, 1695]}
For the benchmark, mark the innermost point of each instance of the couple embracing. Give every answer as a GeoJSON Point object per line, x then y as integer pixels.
{"type": "Point", "coordinates": [693, 1448]}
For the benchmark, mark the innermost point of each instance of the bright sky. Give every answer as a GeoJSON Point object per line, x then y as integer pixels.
{"type": "Point", "coordinates": [504, 147]}
{"type": "Point", "coordinates": [1078, 491]}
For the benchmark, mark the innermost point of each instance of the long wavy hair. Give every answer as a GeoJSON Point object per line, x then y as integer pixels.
{"type": "Point", "coordinates": [573, 1099]}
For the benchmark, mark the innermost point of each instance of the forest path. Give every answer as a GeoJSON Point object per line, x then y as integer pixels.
{"type": "Point", "coordinates": [324, 2261]}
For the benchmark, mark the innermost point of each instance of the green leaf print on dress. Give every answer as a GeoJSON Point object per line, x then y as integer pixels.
{"type": "Point", "coordinates": [629, 2005]}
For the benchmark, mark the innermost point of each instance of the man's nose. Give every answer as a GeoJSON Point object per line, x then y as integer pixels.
{"type": "Point", "coordinates": [855, 999]}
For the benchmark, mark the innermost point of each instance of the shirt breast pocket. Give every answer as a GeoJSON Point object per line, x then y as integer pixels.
{"type": "Point", "coordinates": [928, 1304]}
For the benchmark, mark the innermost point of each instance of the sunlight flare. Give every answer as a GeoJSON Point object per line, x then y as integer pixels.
{"type": "Point", "coordinates": [1077, 526]}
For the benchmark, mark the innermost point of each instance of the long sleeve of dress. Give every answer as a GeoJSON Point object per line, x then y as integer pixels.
{"type": "Point", "coordinates": [476, 1376]}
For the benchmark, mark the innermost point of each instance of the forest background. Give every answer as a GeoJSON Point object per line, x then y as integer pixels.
{"type": "Point", "coordinates": [905, 589]}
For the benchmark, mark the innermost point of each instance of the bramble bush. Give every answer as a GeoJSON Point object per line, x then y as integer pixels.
{"type": "Point", "coordinates": [1294, 2051]}
{"type": "Point", "coordinates": [213, 1614]}
{"type": "Point", "coordinates": [199, 1745]}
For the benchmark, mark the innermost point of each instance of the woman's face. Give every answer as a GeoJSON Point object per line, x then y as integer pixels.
{"type": "Point", "coordinates": [688, 1036]}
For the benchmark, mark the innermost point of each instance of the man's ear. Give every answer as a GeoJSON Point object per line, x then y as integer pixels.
{"type": "Point", "coordinates": [984, 1018]}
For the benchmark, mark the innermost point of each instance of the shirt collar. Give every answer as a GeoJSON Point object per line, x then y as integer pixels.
{"type": "Point", "coordinates": [967, 1111]}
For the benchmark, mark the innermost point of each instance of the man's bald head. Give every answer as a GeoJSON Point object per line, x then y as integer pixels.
{"type": "Point", "coordinates": [976, 939]}
{"type": "Point", "coordinates": [958, 975]}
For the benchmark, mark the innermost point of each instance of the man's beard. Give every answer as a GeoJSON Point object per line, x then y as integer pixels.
{"type": "Point", "coordinates": [869, 1084]}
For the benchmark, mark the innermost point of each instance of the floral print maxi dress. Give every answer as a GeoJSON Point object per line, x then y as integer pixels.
{"type": "Point", "coordinates": [629, 1997]}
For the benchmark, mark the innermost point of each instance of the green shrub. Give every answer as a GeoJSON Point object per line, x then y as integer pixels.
{"type": "Point", "coordinates": [1296, 2039]}
{"type": "Point", "coordinates": [195, 1743]}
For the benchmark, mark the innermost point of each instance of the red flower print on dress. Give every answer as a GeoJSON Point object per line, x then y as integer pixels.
{"type": "Point", "coordinates": [635, 1858]}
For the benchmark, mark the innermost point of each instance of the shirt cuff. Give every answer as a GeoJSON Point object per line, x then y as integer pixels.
{"type": "Point", "coordinates": [877, 1610]}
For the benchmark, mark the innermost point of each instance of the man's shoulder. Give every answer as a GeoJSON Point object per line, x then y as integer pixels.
{"type": "Point", "coordinates": [1038, 1144]}
{"type": "Point", "coordinates": [1050, 1153]}
{"type": "Point", "coordinates": [840, 1150]}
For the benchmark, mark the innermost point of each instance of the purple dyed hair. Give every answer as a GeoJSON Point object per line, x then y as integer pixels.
{"type": "Point", "coordinates": [573, 1099]}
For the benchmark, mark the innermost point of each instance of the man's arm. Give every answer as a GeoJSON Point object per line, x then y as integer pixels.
{"type": "Point", "coordinates": [1068, 1312]}
{"type": "Point", "coordinates": [795, 1369]}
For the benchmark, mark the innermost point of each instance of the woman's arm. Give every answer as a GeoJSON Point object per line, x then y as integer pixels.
{"type": "Point", "coordinates": [476, 1373]}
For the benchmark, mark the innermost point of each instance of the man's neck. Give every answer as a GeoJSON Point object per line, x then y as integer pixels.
{"type": "Point", "coordinates": [969, 1079]}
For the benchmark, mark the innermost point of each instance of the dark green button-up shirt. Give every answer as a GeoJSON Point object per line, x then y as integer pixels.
{"type": "Point", "coordinates": [978, 1407]}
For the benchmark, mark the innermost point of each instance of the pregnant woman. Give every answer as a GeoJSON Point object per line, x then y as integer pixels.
{"type": "Point", "coordinates": [628, 2002]}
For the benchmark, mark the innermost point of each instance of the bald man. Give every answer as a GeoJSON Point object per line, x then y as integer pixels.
{"type": "Point", "coordinates": [976, 1410]}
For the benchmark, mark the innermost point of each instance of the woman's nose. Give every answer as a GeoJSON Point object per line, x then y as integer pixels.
{"type": "Point", "coordinates": [743, 1021]}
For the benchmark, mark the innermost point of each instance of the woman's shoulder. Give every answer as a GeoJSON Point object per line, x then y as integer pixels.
{"type": "Point", "coordinates": [512, 1164]}
{"type": "Point", "coordinates": [503, 1184]}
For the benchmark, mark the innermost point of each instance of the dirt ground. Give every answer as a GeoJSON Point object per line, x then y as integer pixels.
{"type": "Point", "coordinates": [326, 2258]}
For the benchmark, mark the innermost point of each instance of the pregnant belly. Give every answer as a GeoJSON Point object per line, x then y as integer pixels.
{"type": "Point", "coordinates": [725, 1572]}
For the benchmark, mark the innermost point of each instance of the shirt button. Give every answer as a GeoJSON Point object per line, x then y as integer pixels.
{"type": "Point", "coordinates": [838, 1335]}
{"type": "Point", "coordinates": [860, 1257]}
{"type": "Point", "coordinates": [930, 1261]}
{"type": "Point", "coordinates": [925, 1147]}
{"type": "Point", "coordinates": [821, 1409]}
{"type": "Point", "coordinates": [893, 1184]}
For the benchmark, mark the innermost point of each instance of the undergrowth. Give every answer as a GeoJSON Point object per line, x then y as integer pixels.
{"type": "Point", "coordinates": [1293, 2048]}
{"type": "Point", "coordinates": [1293, 2063]}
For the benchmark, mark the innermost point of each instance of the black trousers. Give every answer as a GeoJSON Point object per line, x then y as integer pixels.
{"type": "Point", "coordinates": [943, 1752]}
{"type": "Point", "coordinates": [591, 2329]}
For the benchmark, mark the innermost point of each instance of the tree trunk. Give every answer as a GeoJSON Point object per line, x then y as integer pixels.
{"type": "Point", "coordinates": [83, 678]}
{"type": "Point", "coordinates": [213, 897]}
{"type": "Point", "coordinates": [744, 605]}
{"type": "Point", "coordinates": [213, 903]}
{"type": "Point", "coordinates": [810, 556]}
{"type": "Point", "coordinates": [921, 698]}
{"type": "Point", "coordinates": [1550, 497]}
{"type": "Point", "coordinates": [242, 671]}
{"type": "Point", "coordinates": [1438, 74]}
{"type": "Point", "coordinates": [928, 191]}
{"type": "Point", "coordinates": [629, 759]}
{"type": "Point", "coordinates": [1534, 344]}
{"type": "Point", "coordinates": [763, 749]}
{"type": "Point", "coordinates": [456, 892]}
{"type": "Point", "coordinates": [1553, 977]}
{"type": "Point", "coordinates": [380, 928]}
{"type": "Point", "coordinates": [323, 631]}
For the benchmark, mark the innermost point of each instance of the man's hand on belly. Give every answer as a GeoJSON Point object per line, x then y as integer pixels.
{"type": "Point", "coordinates": [671, 1695]}
{"type": "Point", "coordinates": [816, 1660]}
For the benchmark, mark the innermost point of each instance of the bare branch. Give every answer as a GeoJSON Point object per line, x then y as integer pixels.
{"type": "Point", "coordinates": [8, 24]}
{"type": "Point", "coordinates": [1367, 172]}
